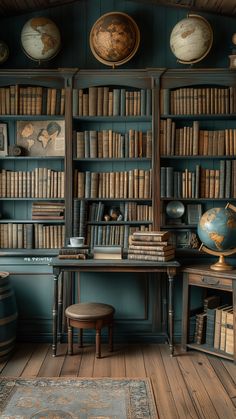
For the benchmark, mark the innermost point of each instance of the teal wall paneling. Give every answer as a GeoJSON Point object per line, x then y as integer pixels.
{"type": "Point", "coordinates": [156, 22]}
{"type": "Point", "coordinates": [134, 298]}
{"type": "Point", "coordinates": [33, 284]}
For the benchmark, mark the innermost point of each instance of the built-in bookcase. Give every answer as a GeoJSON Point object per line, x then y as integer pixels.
{"type": "Point", "coordinates": [113, 155]}
{"type": "Point", "coordinates": [197, 139]}
{"type": "Point", "coordinates": [32, 176]}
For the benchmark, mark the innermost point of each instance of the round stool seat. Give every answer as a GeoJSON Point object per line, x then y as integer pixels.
{"type": "Point", "coordinates": [89, 311]}
{"type": "Point", "coordinates": [89, 316]}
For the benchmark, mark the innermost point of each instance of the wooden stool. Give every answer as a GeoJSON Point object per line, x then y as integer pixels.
{"type": "Point", "coordinates": [90, 316]}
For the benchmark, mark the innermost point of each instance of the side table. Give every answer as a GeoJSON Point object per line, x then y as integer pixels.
{"type": "Point", "coordinates": [203, 276]}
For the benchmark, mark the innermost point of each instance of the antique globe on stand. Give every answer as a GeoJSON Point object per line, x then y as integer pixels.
{"type": "Point", "coordinates": [40, 39]}
{"type": "Point", "coordinates": [114, 38]}
{"type": "Point", "coordinates": [217, 231]}
{"type": "Point", "coordinates": [191, 39]}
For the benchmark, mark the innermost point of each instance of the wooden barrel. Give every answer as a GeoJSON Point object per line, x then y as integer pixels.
{"type": "Point", "coordinates": [8, 315]}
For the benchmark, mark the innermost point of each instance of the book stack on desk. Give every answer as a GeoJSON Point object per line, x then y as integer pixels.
{"type": "Point", "coordinates": [81, 252]}
{"type": "Point", "coordinates": [150, 245]}
{"type": "Point", "coordinates": [107, 252]}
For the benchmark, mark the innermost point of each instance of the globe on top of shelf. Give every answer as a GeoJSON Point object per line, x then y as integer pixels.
{"type": "Point", "coordinates": [191, 39]}
{"type": "Point", "coordinates": [114, 38]}
{"type": "Point", "coordinates": [234, 38]}
{"type": "Point", "coordinates": [4, 52]}
{"type": "Point", "coordinates": [40, 39]}
{"type": "Point", "coordinates": [217, 231]}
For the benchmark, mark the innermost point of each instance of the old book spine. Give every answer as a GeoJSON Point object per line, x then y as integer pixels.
{"type": "Point", "coordinates": [85, 106]}
{"type": "Point", "coordinates": [229, 333]}
{"type": "Point", "coordinates": [93, 96]}
{"type": "Point", "coordinates": [150, 257]}
{"type": "Point", "coordinates": [93, 144]}
{"type": "Point", "coordinates": [53, 101]}
{"type": "Point", "coordinates": [80, 144]}
{"type": "Point", "coordinates": [110, 103]}
{"type": "Point", "coordinates": [165, 101]}
{"type": "Point", "coordinates": [116, 102]}
{"type": "Point", "coordinates": [100, 98]}
{"type": "Point", "coordinates": [80, 94]}
{"type": "Point", "coordinates": [105, 100]}
{"type": "Point", "coordinates": [228, 178]}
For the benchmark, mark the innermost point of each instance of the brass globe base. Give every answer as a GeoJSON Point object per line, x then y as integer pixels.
{"type": "Point", "coordinates": [220, 265]}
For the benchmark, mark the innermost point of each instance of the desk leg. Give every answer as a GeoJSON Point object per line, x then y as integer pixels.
{"type": "Point", "coordinates": [171, 273]}
{"type": "Point", "coordinates": [185, 313]}
{"type": "Point", "coordinates": [55, 316]}
{"type": "Point", "coordinates": [60, 306]}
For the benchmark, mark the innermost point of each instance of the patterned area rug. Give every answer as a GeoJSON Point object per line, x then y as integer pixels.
{"type": "Point", "coordinates": [59, 398]}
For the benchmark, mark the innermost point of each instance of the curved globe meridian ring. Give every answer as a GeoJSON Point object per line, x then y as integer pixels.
{"type": "Point", "coordinates": [40, 39]}
{"type": "Point", "coordinates": [114, 38]}
{"type": "Point", "coordinates": [4, 52]}
{"type": "Point", "coordinates": [191, 39]}
{"type": "Point", "coordinates": [217, 231]}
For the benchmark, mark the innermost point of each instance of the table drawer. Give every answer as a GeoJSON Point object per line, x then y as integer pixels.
{"type": "Point", "coordinates": [210, 281]}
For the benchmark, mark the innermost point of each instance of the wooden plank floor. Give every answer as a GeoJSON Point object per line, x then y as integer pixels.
{"type": "Point", "coordinates": [189, 385]}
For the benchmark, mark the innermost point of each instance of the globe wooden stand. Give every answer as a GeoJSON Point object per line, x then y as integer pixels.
{"type": "Point", "coordinates": [220, 265]}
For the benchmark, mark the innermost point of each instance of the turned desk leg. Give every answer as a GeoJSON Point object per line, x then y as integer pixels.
{"type": "Point", "coordinates": [60, 307]}
{"type": "Point", "coordinates": [185, 313]}
{"type": "Point", "coordinates": [171, 273]}
{"type": "Point", "coordinates": [55, 316]}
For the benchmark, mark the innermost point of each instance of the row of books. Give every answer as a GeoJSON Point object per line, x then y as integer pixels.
{"type": "Point", "coordinates": [214, 327]}
{"type": "Point", "coordinates": [198, 101]}
{"type": "Point", "coordinates": [32, 100]}
{"type": "Point", "coordinates": [191, 141]}
{"type": "Point", "coordinates": [127, 211]}
{"type": "Point", "coordinates": [48, 210]}
{"type": "Point", "coordinates": [110, 235]}
{"type": "Point", "coordinates": [111, 144]}
{"type": "Point", "coordinates": [107, 101]}
{"type": "Point", "coordinates": [135, 183]}
{"type": "Point", "coordinates": [200, 183]}
{"type": "Point", "coordinates": [38, 183]}
{"type": "Point", "coordinates": [30, 236]}
{"type": "Point", "coordinates": [150, 246]}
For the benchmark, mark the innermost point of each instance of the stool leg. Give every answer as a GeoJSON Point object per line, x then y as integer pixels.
{"type": "Point", "coordinates": [70, 340]}
{"type": "Point", "coordinates": [81, 338]}
{"type": "Point", "coordinates": [98, 343]}
{"type": "Point", "coordinates": [110, 334]}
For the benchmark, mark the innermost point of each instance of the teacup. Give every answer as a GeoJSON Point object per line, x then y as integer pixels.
{"type": "Point", "coordinates": [76, 241]}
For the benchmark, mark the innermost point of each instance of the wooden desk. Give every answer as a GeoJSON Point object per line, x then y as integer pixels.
{"type": "Point", "coordinates": [90, 265]}
{"type": "Point", "coordinates": [203, 276]}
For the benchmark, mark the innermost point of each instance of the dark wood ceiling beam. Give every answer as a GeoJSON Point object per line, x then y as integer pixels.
{"type": "Point", "coordinates": [223, 7]}
{"type": "Point", "coordinates": [16, 7]}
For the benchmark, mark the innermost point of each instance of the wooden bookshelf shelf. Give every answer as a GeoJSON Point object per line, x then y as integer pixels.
{"type": "Point", "coordinates": [208, 349]}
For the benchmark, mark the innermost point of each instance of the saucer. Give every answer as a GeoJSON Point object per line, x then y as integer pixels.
{"type": "Point", "coordinates": [77, 245]}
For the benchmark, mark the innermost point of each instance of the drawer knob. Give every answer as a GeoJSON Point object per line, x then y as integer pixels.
{"type": "Point", "coordinates": [210, 281]}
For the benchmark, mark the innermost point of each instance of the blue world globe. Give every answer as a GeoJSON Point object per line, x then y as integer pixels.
{"type": "Point", "coordinates": [217, 229]}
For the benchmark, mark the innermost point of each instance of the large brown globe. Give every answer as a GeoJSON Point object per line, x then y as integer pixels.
{"type": "Point", "coordinates": [114, 38]}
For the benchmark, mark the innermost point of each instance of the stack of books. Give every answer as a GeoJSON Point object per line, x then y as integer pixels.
{"type": "Point", "coordinates": [150, 245]}
{"type": "Point", "coordinates": [48, 210]}
{"type": "Point", "coordinates": [107, 252]}
{"type": "Point", "coordinates": [81, 252]}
